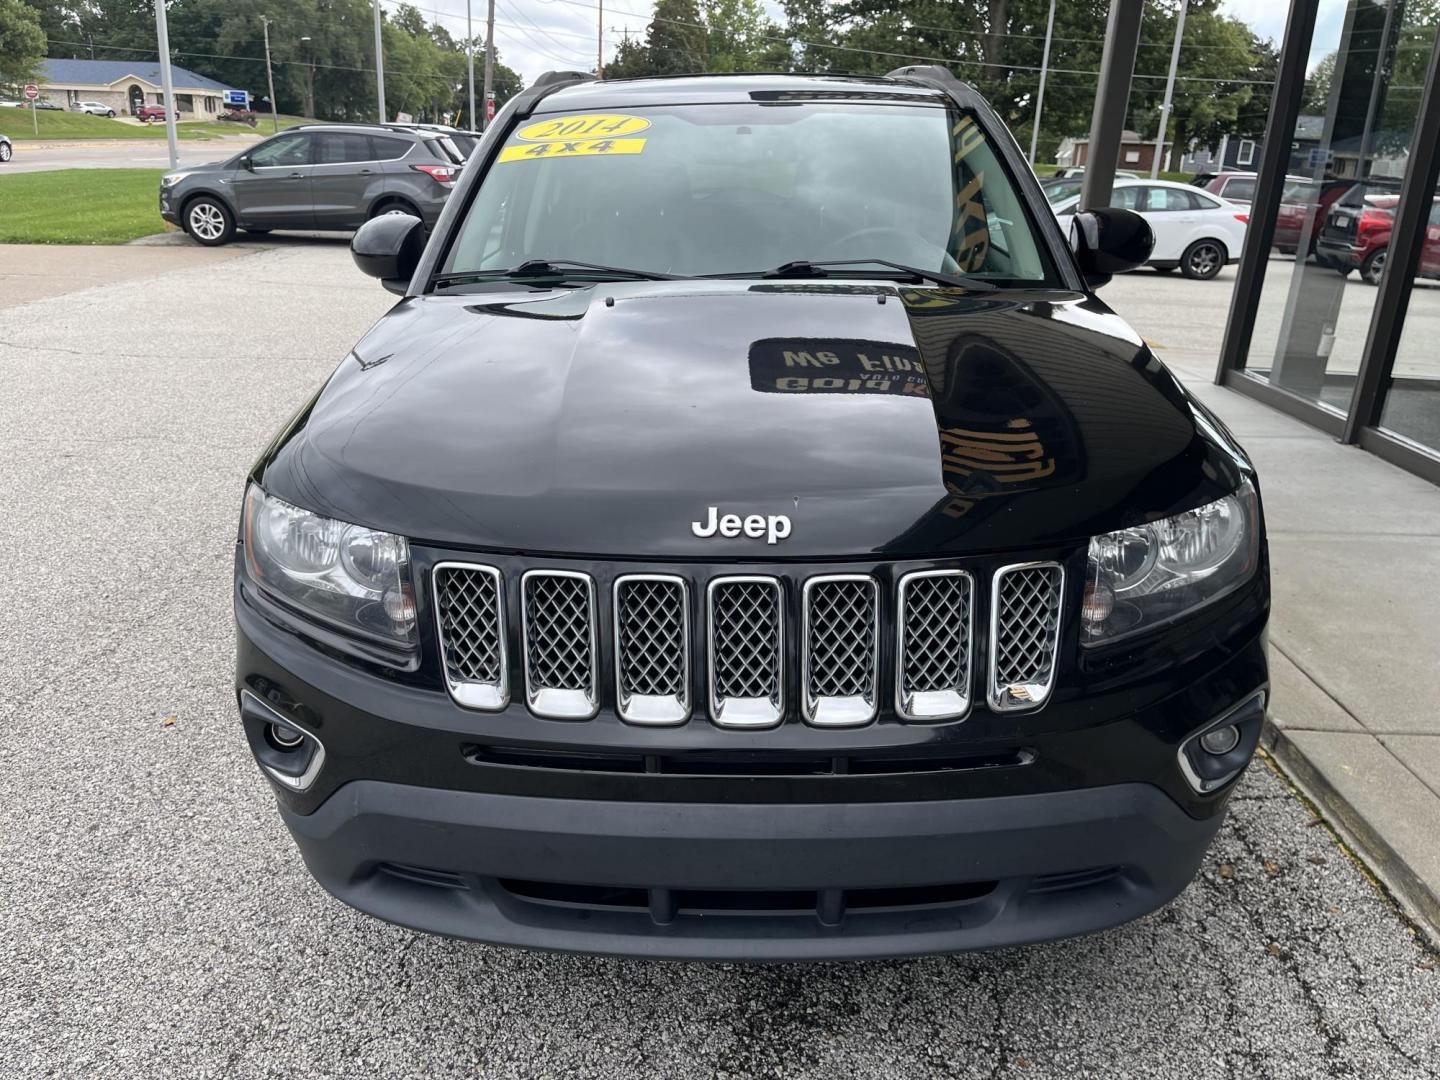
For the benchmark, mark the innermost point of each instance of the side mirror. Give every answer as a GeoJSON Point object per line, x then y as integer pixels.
{"type": "Point", "coordinates": [1109, 241]}
{"type": "Point", "coordinates": [388, 247]}
{"type": "Point", "coordinates": [245, 162]}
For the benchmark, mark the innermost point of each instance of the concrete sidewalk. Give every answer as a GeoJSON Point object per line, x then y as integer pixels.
{"type": "Point", "coordinates": [1355, 634]}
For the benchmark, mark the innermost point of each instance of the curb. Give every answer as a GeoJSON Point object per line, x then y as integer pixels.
{"type": "Point", "coordinates": [1407, 887]}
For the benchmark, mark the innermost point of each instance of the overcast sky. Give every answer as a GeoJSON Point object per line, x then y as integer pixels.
{"type": "Point", "coordinates": [539, 35]}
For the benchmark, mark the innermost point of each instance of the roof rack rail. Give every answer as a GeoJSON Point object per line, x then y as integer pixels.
{"type": "Point", "coordinates": [546, 84]}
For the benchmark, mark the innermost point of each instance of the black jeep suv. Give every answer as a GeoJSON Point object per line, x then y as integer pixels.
{"type": "Point", "coordinates": [751, 538]}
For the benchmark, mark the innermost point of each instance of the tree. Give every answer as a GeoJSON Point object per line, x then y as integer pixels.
{"type": "Point", "coordinates": [741, 37]}
{"type": "Point", "coordinates": [22, 42]}
{"type": "Point", "coordinates": [675, 40]}
{"type": "Point", "coordinates": [997, 47]}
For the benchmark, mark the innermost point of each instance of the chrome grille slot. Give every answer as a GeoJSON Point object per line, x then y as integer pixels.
{"type": "Point", "coordinates": [934, 628]}
{"type": "Point", "coordinates": [560, 648]}
{"type": "Point", "coordinates": [839, 650]}
{"type": "Point", "coordinates": [469, 615]}
{"type": "Point", "coordinates": [745, 634]}
{"type": "Point", "coordinates": [652, 662]}
{"type": "Point", "coordinates": [1024, 631]}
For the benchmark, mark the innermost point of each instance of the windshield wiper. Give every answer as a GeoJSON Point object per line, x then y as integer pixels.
{"type": "Point", "coordinates": [547, 268]}
{"type": "Point", "coordinates": [800, 268]}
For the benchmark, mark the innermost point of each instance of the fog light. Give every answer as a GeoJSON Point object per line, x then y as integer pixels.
{"type": "Point", "coordinates": [284, 738]}
{"type": "Point", "coordinates": [1220, 740]}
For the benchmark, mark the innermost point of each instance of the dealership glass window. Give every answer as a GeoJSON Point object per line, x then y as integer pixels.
{"type": "Point", "coordinates": [1412, 400]}
{"type": "Point", "coordinates": [1351, 141]}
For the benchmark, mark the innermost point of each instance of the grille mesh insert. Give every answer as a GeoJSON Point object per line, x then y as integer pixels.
{"type": "Point", "coordinates": [841, 639]}
{"type": "Point", "coordinates": [1027, 621]}
{"type": "Point", "coordinates": [745, 629]}
{"type": "Point", "coordinates": [936, 635]}
{"type": "Point", "coordinates": [559, 621]}
{"type": "Point", "coordinates": [650, 627]}
{"type": "Point", "coordinates": [468, 604]}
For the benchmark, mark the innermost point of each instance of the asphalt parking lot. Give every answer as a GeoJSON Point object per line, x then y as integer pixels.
{"type": "Point", "coordinates": [155, 920]}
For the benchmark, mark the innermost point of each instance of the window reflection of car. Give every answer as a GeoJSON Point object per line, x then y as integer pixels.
{"type": "Point", "coordinates": [1304, 200]}
{"type": "Point", "coordinates": [1357, 234]}
{"type": "Point", "coordinates": [1237, 186]}
{"type": "Point", "coordinates": [1195, 232]}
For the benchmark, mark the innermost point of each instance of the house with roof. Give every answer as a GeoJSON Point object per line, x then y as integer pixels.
{"type": "Point", "coordinates": [125, 85]}
{"type": "Point", "coordinates": [1136, 151]}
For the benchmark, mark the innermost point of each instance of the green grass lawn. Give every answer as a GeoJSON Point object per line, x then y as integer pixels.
{"type": "Point", "coordinates": [80, 206]}
{"type": "Point", "coordinates": [70, 125]}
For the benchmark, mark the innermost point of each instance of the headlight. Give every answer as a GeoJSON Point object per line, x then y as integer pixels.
{"type": "Point", "coordinates": [354, 577]}
{"type": "Point", "coordinates": [172, 179]}
{"type": "Point", "coordinates": [1139, 578]}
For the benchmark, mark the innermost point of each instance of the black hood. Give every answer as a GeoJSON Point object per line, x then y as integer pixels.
{"type": "Point", "coordinates": [603, 420]}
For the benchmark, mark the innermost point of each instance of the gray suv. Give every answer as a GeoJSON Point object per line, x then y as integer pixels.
{"type": "Point", "coordinates": [335, 176]}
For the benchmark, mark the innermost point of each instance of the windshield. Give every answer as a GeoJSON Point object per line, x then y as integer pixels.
{"type": "Point", "coordinates": [734, 189]}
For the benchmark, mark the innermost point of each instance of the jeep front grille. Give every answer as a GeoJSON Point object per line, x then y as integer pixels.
{"type": "Point", "coordinates": [840, 650]}
{"type": "Point", "coordinates": [934, 628]}
{"type": "Point", "coordinates": [746, 651]}
{"type": "Point", "coordinates": [1024, 632]}
{"type": "Point", "coordinates": [558, 612]}
{"type": "Point", "coordinates": [652, 658]}
{"type": "Point", "coordinates": [651, 649]}
{"type": "Point", "coordinates": [469, 606]}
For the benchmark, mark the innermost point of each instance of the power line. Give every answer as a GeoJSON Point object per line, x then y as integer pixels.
{"type": "Point", "coordinates": [948, 60]}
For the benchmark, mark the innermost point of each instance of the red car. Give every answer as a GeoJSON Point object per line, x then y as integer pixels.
{"type": "Point", "coordinates": [1299, 201]}
{"type": "Point", "coordinates": [1358, 236]}
{"type": "Point", "coordinates": [146, 113]}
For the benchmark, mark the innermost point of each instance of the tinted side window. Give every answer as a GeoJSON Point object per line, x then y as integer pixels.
{"type": "Point", "coordinates": [388, 148]}
{"type": "Point", "coordinates": [1241, 188]}
{"type": "Point", "coordinates": [335, 147]}
{"type": "Point", "coordinates": [1127, 198]}
{"type": "Point", "coordinates": [446, 150]}
{"type": "Point", "coordinates": [286, 150]}
{"type": "Point", "coordinates": [1202, 202]}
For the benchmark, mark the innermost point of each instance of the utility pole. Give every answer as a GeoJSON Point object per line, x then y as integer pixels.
{"type": "Point", "coordinates": [379, 64]}
{"type": "Point", "coordinates": [489, 62]}
{"type": "Point", "coordinates": [470, 50]}
{"type": "Point", "coordinates": [1040, 96]}
{"type": "Point", "coordinates": [1169, 91]}
{"type": "Point", "coordinates": [600, 41]}
{"type": "Point", "coordinates": [309, 77]}
{"type": "Point", "coordinates": [162, 31]}
{"type": "Point", "coordinates": [270, 77]}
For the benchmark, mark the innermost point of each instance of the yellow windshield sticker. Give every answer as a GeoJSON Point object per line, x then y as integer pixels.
{"type": "Point", "coordinates": [576, 148]}
{"type": "Point", "coordinates": [590, 126]}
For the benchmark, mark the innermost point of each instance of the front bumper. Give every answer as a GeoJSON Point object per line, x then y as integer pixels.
{"type": "Point", "coordinates": [782, 844]}
{"type": "Point", "coordinates": [752, 882]}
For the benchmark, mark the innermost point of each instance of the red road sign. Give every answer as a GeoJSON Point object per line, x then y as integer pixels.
{"type": "Point", "coordinates": [490, 108]}
{"type": "Point", "coordinates": [32, 91]}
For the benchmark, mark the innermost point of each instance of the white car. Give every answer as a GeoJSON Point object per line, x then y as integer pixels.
{"type": "Point", "coordinates": [94, 108]}
{"type": "Point", "coordinates": [1194, 230]}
